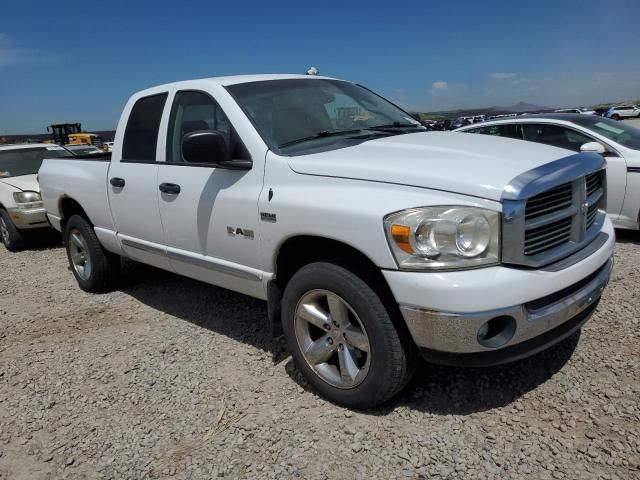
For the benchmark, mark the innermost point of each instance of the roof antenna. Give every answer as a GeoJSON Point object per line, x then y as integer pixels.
{"type": "Point", "coordinates": [313, 71]}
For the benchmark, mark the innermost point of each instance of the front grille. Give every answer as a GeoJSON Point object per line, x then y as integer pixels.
{"type": "Point", "coordinates": [594, 181]}
{"type": "Point", "coordinates": [545, 237]}
{"type": "Point", "coordinates": [548, 202]}
{"type": "Point", "coordinates": [556, 222]}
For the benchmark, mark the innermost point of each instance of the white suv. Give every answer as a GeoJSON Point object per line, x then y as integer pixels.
{"type": "Point", "coordinates": [623, 111]}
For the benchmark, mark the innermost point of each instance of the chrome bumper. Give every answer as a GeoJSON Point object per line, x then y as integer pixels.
{"type": "Point", "coordinates": [29, 218]}
{"type": "Point", "coordinates": [461, 332]}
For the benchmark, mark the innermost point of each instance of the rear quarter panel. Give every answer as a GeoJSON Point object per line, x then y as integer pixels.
{"type": "Point", "coordinates": [81, 180]}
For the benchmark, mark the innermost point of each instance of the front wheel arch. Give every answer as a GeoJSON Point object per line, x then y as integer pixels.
{"type": "Point", "coordinates": [300, 250]}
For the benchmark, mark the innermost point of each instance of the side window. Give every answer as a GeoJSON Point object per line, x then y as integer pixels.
{"type": "Point", "coordinates": [141, 133]}
{"type": "Point", "coordinates": [555, 135]}
{"type": "Point", "coordinates": [193, 111]}
{"type": "Point", "coordinates": [509, 130]}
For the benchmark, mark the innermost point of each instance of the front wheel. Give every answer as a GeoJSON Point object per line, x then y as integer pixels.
{"type": "Point", "coordinates": [342, 338]}
{"type": "Point", "coordinates": [9, 234]}
{"type": "Point", "coordinates": [615, 117]}
{"type": "Point", "coordinates": [95, 269]}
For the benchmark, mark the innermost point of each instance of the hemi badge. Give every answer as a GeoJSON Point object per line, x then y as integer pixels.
{"type": "Point", "coordinates": [268, 217]}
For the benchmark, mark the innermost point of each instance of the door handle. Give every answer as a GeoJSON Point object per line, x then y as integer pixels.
{"type": "Point", "coordinates": [169, 188]}
{"type": "Point", "coordinates": [117, 182]}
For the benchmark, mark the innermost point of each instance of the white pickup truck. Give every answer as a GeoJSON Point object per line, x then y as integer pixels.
{"type": "Point", "coordinates": [371, 239]}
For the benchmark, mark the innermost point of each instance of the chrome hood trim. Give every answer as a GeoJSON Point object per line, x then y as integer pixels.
{"type": "Point", "coordinates": [544, 177]}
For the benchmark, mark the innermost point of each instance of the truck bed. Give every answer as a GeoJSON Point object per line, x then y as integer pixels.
{"type": "Point", "coordinates": [82, 178]}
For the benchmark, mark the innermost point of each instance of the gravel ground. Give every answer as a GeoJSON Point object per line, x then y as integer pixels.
{"type": "Point", "coordinates": [168, 377]}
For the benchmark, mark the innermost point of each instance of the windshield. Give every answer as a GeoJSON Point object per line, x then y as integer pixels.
{"type": "Point", "coordinates": [296, 111]}
{"type": "Point", "coordinates": [619, 132]}
{"type": "Point", "coordinates": [26, 161]}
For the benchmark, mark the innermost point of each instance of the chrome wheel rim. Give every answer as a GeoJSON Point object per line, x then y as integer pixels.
{"type": "Point", "coordinates": [332, 339]}
{"type": "Point", "coordinates": [79, 254]}
{"type": "Point", "coordinates": [4, 231]}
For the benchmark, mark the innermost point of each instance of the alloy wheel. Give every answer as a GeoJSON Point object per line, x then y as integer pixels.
{"type": "Point", "coordinates": [79, 254]}
{"type": "Point", "coordinates": [332, 339]}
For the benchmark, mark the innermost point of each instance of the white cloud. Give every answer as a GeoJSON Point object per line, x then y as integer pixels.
{"type": "Point", "coordinates": [440, 85]}
{"type": "Point", "coordinates": [502, 75]}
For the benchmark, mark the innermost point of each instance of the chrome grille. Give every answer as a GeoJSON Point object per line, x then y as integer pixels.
{"type": "Point", "coordinates": [594, 182]}
{"type": "Point", "coordinates": [591, 215]}
{"type": "Point", "coordinates": [553, 211]}
{"type": "Point", "coordinates": [549, 202]}
{"type": "Point", "coordinates": [547, 236]}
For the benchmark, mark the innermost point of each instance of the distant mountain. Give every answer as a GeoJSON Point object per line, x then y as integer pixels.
{"type": "Point", "coordinates": [520, 107]}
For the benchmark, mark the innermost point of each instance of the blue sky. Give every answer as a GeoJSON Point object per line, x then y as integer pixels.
{"type": "Point", "coordinates": [79, 61]}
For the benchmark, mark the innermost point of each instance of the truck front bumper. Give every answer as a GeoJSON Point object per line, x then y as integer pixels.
{"type": "Point", "coordinates": [29, 217]}
{"type": "Point", "coordinates": [500, 314]}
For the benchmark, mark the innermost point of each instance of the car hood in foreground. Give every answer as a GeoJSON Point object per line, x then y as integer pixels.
{"type": "Point", "coordinates": [23, 182]}
{"type": "Point", "coordinates": [477, 165]}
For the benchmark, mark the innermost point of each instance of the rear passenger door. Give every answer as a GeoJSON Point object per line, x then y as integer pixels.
{"type": "Point", "coordinates": [133, 186]}
{"type": "Point", "coordinates": [210, 217]}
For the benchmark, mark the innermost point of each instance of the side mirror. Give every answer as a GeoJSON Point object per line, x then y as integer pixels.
{"type": "Point", "coordinates": [593, 147]}
{"type": "Point", "coordinates": [210, 147]}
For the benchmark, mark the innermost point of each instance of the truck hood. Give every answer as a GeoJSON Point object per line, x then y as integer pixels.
{"type": "Point", "coordinates": [23, 182]}
{"type": "Point", "coordinates": [465, 163]}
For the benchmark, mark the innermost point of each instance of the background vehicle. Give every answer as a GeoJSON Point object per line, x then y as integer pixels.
{"type": "Point", "coordinates": [84, 149]}
{"type": "Point", "coordinates": [619, 143]}
{"type": "Point", "coordinates": [21, 207]}
{"type": "Point", "coordinates": [72, 134]}
{"type": "Point", "coordinates": [623, 111]}
{"type": "Point", "coordinates": [582, 111]}
{"type": "Point", "coordinates": [371, 241]}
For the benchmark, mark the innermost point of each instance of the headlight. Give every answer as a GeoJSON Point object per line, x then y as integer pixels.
{"type": "Point", "coordinates": [28, 199]}
{"type": "Point", "coordinates": [444, 237]}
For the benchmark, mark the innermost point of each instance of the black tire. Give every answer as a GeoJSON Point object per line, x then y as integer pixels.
{"type": "Point", "coordinates": [104, 266]}
{"type": "Point", "coordinates": [615, 117]}
{"type": "Point", "coordinates": [9, 233]}
{"type": "Point", "coordinates": [392, 353]}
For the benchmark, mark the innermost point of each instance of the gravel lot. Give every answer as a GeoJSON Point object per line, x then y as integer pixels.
{"type": "Point", "coordinates": [168, 377]}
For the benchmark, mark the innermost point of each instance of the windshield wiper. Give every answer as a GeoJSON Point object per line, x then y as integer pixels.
{"type": "Point", "coordinates": [324, 133]}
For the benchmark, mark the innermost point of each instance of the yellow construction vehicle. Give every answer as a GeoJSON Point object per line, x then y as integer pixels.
{"type": "Point", "coordinates": [72, 134]}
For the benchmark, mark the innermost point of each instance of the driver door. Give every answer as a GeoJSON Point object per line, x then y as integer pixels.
{"type": "Point", "coordinates": [204, 203]}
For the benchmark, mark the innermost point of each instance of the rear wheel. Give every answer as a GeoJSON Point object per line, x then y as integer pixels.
{"type": "Point", "coordinates": [9, 233]}
{"type": "Point", "coordinates": [342, 338]}
{"type": "Point", "coordinates": [95, 269]}
{"type": "Point", "coordinates": [615, 117]}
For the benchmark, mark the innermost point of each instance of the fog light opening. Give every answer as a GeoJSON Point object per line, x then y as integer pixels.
{"type": "Point", "coordinates": [497, 332]}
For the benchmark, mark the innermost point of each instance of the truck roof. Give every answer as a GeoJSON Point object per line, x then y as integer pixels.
{"type": "Point", "coordinates": [235, 79]}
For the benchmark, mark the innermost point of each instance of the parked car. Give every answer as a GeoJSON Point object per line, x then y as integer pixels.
{"type": "Point", "coordinates": [623, 111]}
{"type": "Point", "coordinates": [21, 207]}
{"type": "Point", "coordinates": [618, 142]}
{"type": "Point", "coordinates": [370, 243]}
{"type": "Point", "coordinates": [84, 149]}
{"type": "Point", "coordinates": [581, 111]}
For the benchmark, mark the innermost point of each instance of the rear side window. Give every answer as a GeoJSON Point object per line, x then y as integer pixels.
{"type": "Point", "coordinates": [509, 130]}
{"type": "Point", "coordinates": [141, 134]}
{"type": "Point", "coordinates": [555, 135]}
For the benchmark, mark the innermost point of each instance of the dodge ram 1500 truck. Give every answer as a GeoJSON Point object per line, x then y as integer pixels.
{"type": "Point", "coordinates": [371, 239]}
